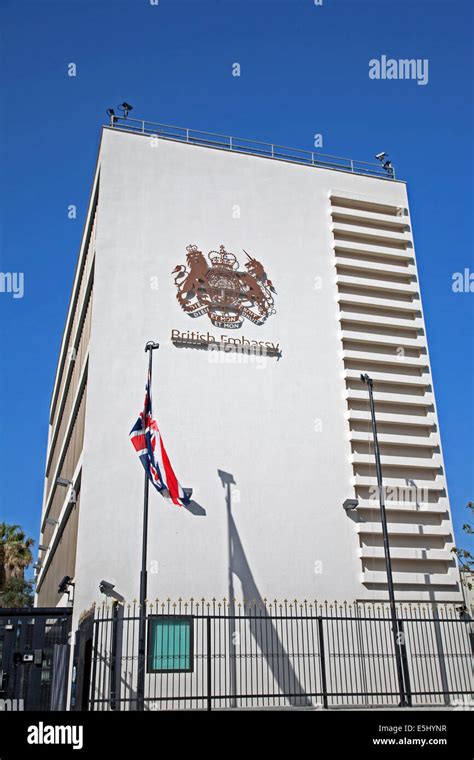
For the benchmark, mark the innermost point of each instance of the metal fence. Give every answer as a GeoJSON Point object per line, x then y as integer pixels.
{"type": "Point", "coordinates": [285, 654]}
{"type": "Point", "coordinates": [251, 147]}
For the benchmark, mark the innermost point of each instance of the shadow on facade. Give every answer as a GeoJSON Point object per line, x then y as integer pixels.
{"type": "Point", "coordinates": [195, 509]}
{"type": "Point", "coordinates": [285, 675]}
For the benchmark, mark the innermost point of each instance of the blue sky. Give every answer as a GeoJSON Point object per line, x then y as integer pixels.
{"type": "Point", "coordinates": [304, 70]}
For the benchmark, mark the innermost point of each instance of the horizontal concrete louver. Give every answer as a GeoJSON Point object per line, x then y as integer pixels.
{"type": "Point", "coordinates": [67, 430]}
{"type": "Point", "coordinates": [80, 300]}
{"type": "Point", "coordinates": [61, 538]}
{"type": "Point", "coordinates": [63, 561]}
{"type": "Point", "coordinates": [382, 333]}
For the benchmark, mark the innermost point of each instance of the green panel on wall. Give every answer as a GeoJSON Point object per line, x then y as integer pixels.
{"type": "Point", "coordinates": [170, 644]}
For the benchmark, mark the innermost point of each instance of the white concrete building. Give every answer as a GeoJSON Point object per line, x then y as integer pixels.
{"type": "Point", "coordinates": [271, 445]}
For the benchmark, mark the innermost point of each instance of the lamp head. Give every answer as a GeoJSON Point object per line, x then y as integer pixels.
{"type": "Point", "coordinates": [350, 504]}
{"type": "Point", "coordinates": [125, 108]}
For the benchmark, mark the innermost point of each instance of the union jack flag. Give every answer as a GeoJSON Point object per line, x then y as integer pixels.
{"type": "Point", "coordinates": [148, 444]}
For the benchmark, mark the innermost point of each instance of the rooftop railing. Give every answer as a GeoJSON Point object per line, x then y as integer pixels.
{"type": "Point", "coordinates": [250, 147]}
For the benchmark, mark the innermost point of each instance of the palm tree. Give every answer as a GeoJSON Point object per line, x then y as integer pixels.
{"type": "Point", "coordinates": [15, 553]}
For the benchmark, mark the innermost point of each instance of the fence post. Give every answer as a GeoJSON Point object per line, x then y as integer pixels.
{"type": "Point", "coordinates": [406, 672]}
{"type": "Point", "coordinates": [113, 658]}
{"type": "Point", "coordinates": [209, 665]}
{"type": "Point", "coordinates": [95, 639]}
{"type": "Point", "coordinates": [323, 662]}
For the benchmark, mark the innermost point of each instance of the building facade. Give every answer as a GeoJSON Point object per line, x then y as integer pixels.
{"type": "Point", "coordinates": [271, 281]}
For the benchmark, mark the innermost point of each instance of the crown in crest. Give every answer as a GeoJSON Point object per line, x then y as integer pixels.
{"type": "Point", "coordinates": [222, 258]}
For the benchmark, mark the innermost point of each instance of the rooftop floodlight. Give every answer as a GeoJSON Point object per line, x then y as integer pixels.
{"type": "Point", "coordinates": [350, 504]}
{"type": "Point", "coordinates": [381, 156]}
{"type": "Point", "coordinates": [125, 108]}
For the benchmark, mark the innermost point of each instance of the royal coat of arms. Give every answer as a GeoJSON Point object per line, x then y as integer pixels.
{"type": "Point", "coordinates": [220, 290]}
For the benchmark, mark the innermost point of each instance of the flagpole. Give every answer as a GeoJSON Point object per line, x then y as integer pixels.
{"type": "Point", "coordinates": [150, 346]}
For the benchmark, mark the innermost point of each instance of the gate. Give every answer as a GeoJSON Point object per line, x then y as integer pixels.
{"type": "Point", "coordinates": [34, 657]}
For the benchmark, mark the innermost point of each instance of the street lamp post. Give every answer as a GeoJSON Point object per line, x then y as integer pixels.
{"type": "Point", "coordinates": [396, 630]}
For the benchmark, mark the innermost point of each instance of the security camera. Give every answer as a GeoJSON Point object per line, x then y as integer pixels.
{"type": "Point", "coordinates": [350, 504]}
{"type": "Point", "coordinates": [381, 156]}
{"type": "Point", "coordinates": [64, 585]}
{"type": "Point", "coordinates": [106, 588]}
{"type": "Point", "coordinates": [109, 590]}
